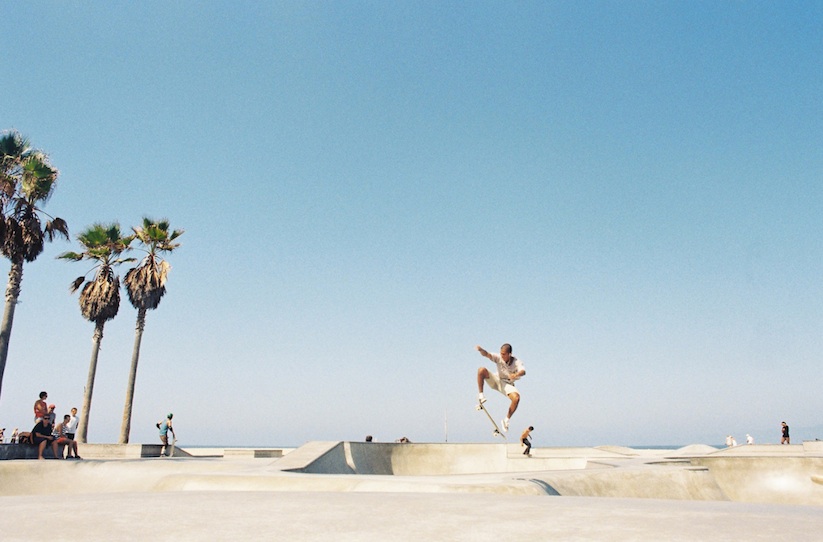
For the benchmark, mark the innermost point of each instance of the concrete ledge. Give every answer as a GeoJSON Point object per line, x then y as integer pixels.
{"type": "Point", "coordinates": [90, 451]}
{"type": "Point", "coordinates": [813, 446]}
{"type": "Point", "coordinates": [27, 451]}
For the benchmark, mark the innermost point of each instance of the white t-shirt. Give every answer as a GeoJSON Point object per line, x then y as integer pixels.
{"type": "Point", "coordinates": [71, 427]}
{"type": "Point", "coordinates": [505, 371]}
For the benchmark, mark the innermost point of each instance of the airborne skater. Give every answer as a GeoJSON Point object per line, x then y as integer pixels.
{"type": "Point", "coordinates": [509, 369]}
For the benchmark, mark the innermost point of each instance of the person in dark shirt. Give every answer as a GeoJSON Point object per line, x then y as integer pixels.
{"type": "Point", "coordinates": [785, 439]}
{"type": "Point", "coordinates": [41, 436]}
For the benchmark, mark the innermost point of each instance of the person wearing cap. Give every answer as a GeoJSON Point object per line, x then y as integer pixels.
{"type": "Point", "coordinates": [52, 416]}
{"type": "Point", "coordinates": [165, 427]}
{"type": "Point", "coordinates": [40, 407]}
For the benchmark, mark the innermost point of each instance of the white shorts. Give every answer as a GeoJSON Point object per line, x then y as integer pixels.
{"type": "Point", "coordinates": [495, 383]}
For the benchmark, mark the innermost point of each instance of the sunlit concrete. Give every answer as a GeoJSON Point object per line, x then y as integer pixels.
{"type": "Point", "coordinates": [355, 491]}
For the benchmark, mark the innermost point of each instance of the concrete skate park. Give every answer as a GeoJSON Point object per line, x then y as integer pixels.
{"type": "Point", "coordinates": [350, 490]}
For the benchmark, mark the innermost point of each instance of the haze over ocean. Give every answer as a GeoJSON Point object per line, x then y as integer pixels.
{"type": "Point", "coordinates": [628, 193]}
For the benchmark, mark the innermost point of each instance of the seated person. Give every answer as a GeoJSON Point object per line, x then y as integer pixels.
{"type": "Point", "coordinates": [41, 435]}
{"type": "Point", "coordinates": [63, 438]}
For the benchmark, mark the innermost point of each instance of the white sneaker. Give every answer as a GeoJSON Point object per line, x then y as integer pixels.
{"type": "Point", "coordinates": [505, 425]}
{"type": "Point", "coordinates": [481, 398]}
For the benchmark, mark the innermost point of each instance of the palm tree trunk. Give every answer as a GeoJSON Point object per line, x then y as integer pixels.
{"type": "Point", "coordinates": [12, 293]}
{"type": "Point", "coordinates": [125, 428]}
{"type": "Point", "coordinates": [83, 426]}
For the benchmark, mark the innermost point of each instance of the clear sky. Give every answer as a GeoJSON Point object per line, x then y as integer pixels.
{"type": "Point", "coordinates": [628, 192]}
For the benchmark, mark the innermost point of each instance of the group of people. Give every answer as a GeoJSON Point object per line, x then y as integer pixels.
{"type": "Point", "coordinates": [784, 437]}
{"type": "Point", "coordinates": [48, 433]}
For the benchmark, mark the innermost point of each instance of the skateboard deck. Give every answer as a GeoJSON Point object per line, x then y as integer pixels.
{"type": "Point", "coordinates": [173, 442]}
{"type": "Point", "coordinates": [496, 432]}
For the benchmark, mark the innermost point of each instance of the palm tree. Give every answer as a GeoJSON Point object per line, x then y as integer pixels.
{"type": "Point", "coordinates": [146, 285]}
{"type": "Point", "coordinates": [100, 297]}
{"type": "Point", "coordinates": [27, 181]}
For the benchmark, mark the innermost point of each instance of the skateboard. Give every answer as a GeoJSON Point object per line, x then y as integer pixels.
{"type": "Point", "coordinates": [496, 432]}
{"type": "Point", "coordinates": [173, 442]}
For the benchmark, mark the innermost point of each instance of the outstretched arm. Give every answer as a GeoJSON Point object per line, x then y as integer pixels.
{"type": "Point", "coordinates": [483, 352]}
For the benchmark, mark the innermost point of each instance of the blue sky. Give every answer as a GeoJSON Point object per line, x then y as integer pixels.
{"type": "Point", "coordinates": [628, 192]}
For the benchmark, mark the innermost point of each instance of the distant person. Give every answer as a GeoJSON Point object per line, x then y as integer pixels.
{"type": "Point", "coordinates": [526, 440]}
{"type": "Point", "coordinates": [41, 436]}
{"type": "Point", "coordinates": [785, 439]}
{"type": "Point", "coordinates": [509, 369]}
{"type": "Point", "coordinates": [165, 428]}
{"type": "Point", "coordinates": [749, 439]}
{"type": "Point", "coordinates": [368, 438]}
{"type": "Point", "coordinates": [2, 435]}
{"type": "Point", "coordinates": [63, 438]}
{"type": "Point", "coordinates": [14, 436]}
{"type": "Point", "coordinates": [730, 441]}
{"type": "Point", "coordinates": [71, 428]}
{"type": "Point", "coordinates": [40, 407]}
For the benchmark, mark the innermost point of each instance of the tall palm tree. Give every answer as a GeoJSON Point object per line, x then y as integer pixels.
{"type": "Point", "coordinates": [100, 297]}
{"type": "Point", "coordinates": [146, 285]}
{"type": "Point", "coordinates": [27, 181]}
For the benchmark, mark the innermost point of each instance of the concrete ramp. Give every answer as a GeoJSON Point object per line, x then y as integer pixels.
{"type": "Point", "coordinates": [782, 480]}
{"type": "Point", "coordinates": [421, 459]}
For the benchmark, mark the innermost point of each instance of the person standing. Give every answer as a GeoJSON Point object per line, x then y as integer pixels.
{"type": "Point", "coordinates": [785, 438]}
{"type": "Point", "coordinates": [526, 440]}
{"type": "Point", "coordinates": [509, 369]}
{"type": "Point", "coordinates": [40, 407]}
{"type": "Point", "coordinates": [165, 428]}
{"type": "Point", "coordinates": [52, 415]}
{"type": "Point", "coordinates": [71, 428]}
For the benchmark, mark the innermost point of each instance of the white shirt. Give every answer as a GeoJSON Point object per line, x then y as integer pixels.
{"type": "Point", "coordinates": [71, 427]}
{"type": "Point", "coordinates": [505, 371]}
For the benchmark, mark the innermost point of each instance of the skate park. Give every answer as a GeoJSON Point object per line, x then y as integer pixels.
{"type": "Point", "coordinates": [363, 489]}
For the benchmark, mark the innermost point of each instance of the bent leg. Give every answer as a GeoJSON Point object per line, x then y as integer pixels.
{"type": "Point", "coordinates": [515, 397]}
{"type": "Point", "coordinates": [482, 375]}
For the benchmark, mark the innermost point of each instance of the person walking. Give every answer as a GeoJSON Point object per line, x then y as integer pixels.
{"type": "Point", "coordinates": [785, 438]}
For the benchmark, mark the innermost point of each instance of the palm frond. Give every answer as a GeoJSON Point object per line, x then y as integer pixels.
{"type": "Point", "coordinates": [55, 226]}
{"type": "Point", "coordinates": [76, 284]}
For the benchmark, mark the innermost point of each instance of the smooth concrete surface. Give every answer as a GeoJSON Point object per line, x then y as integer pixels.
{"type": "Point", "coordinates": [360, 491]}
{"type": "Point", "coordinates": [300, 516]}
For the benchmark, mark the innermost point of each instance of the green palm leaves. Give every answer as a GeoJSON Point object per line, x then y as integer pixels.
{"type": "Point", "coordinates": [146, 283]}
{"type": "Point", "coordinates": [27, 181]}
{"type": "Point", "coordinates": [103, 245]}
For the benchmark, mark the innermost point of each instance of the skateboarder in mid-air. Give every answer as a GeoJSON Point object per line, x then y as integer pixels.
{"type": "Point", "coordinates": [509, 369]}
